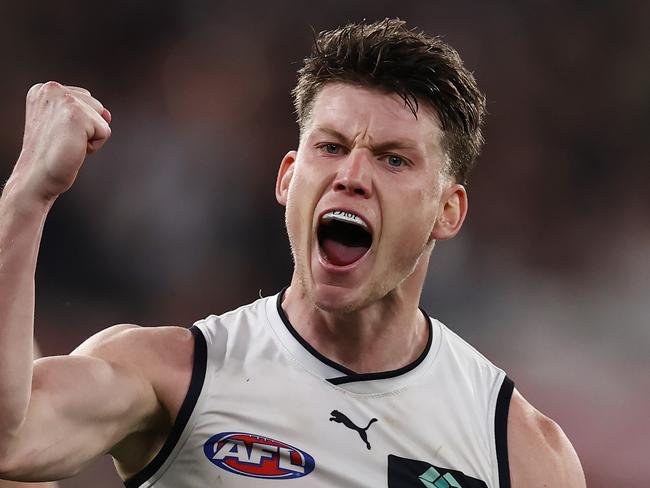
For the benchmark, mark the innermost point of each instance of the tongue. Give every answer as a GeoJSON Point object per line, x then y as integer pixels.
{"type": "Point", "coordinates": [341, 255]}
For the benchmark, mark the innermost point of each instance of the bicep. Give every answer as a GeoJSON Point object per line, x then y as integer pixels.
{"type": "Point", "coordinates": [539, 452]}
{"type": "Point", "coordinates": [80, 407]}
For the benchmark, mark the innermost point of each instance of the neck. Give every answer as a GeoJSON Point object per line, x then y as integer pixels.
{"type": "Point", "coordinates": [388, 334]}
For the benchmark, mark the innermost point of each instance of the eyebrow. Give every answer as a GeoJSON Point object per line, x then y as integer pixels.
{"type": "Point", "coordinates": [384, 146]}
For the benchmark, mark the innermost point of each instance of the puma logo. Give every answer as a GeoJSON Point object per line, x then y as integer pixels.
{"type": "Point", "coordinates": [337, 416]}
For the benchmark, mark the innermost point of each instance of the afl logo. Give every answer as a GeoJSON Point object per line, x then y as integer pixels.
{"type": "Point", "coordinates": [257, 456]}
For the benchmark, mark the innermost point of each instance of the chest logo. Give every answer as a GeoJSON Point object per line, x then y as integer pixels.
{"type": "Point", "coordinates": [257, 456]}
{"type": "Point", "coordinates": [341, 418]}
{"type": "Point", "coordinates": [408, 473]}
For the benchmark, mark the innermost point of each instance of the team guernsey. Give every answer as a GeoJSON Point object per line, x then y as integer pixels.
{"type": "Point", "coordinates": [265, 409]}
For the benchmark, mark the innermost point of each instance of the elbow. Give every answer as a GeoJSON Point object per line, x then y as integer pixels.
{"type": "Point", "coordinates": [6, 462]}
{"type": "Point", "coordinates": [9, 428]}
{"type": "Point", "coordinates": [13, 412]}
{"type": "Point", "coordinates": [11, 466]}
{"type": "Point", "coordinates": [8, 443]}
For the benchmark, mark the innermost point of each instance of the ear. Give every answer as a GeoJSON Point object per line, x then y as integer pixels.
{"type": "Point", "coordinates": [285, 174]}
{"type": "Point", "coordinates": [451, 215]}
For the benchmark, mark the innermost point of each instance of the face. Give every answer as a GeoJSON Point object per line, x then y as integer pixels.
{"type": "Point", "coordinates": [366, 196]}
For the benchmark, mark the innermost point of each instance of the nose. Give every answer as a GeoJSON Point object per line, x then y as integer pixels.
{"type": "Point", "coordinates": [354, 174]}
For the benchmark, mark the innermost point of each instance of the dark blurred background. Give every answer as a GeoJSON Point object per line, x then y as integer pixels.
{"type": "Point", "coordinates": [176, 217]}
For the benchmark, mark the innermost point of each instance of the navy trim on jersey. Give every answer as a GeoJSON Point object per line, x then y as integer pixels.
{"type": "Point", "coordinates": [388, 374]}
{"type": "Point", "coordinates": [351, 376]}
{"type": "Point", "coordinates": [196, 385]}
{"type": "Point", "coordinates": [304, 343]}
{"type": "Point", "coordinates": [501, 431]}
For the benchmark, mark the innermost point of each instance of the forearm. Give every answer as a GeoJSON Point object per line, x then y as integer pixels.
{"type": "Point", "coordinates": [21, 225]}
{"type": "Point", "coordinates": [62, 125]}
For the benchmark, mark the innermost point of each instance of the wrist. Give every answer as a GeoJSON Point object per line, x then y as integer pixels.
{"type": "Point", "coordinates": [19, 192]}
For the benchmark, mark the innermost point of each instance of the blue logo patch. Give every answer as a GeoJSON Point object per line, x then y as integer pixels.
{"type": "Point", "coordinates": [257, 456]}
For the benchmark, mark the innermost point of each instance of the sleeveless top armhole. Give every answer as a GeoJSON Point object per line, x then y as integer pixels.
{"type": "Point", "coordinates": [193, 392]}
{"type": "Point", "coordinates": [501, 431]}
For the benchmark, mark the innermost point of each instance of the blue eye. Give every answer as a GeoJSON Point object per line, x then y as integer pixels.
{"type": "Point", "coordinates": [332, 148]}
{"type": "Point", "coordinates": [395, 161]}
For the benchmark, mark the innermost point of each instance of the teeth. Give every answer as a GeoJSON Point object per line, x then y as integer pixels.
{"type": "Point", "coordinates": [343, 216]}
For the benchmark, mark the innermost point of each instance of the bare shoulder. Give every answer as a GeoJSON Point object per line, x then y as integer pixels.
{"type": "Point", "coordinates": [133, 343]}
{"type": "Point", "coordinates": [164, 358]}
{"type": "Point", "coordinates": [539, 453]}
{"type": "Point", "coordinates": [163, 355]}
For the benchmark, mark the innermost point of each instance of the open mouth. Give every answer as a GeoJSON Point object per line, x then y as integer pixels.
{"type": "Point", "coordinates": [343, 237]}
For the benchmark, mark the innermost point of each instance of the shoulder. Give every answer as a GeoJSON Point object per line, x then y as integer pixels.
{"type": "Point", "coordinates": [129, 343]}
{"type": "Point", "coordinates": [463, 349]}
{"type": "Point", "coordinates": [141, 347]}
{"type": "Point", "coordinates": [162, 357]}
{"type": "Point", "coordinates": [469, 367]}
{"type": "Point", "coordinates": [539, 452]}
{"type": "Point", "coordinates": [120, 332]}
{"type": "Point", "coordinates": [242, 322]}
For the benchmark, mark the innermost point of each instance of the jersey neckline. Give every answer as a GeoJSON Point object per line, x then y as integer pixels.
{"type": "Point", "coordinates": [336, 373]}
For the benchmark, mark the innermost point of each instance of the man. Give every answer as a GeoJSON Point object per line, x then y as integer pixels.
{"type": "Point", "coordinates": [340, 379]}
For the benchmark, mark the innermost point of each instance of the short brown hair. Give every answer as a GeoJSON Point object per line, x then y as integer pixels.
{"type": "Point", "coordinates": [421, 69]}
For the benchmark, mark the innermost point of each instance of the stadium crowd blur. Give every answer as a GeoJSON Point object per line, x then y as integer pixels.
{"type": "Point", "coordinates": [176, 219]}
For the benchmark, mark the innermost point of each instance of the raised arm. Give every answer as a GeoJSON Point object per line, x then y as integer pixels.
{"type": "Point", "coordinates": [59, 413]}
{"type": "Point", "coordinates": [62, 124]}
{"type": "Point", "coordinates": [540, 453]}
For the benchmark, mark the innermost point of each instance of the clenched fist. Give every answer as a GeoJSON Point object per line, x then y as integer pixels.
{"type": "Point", "coordinates": [62, 125]}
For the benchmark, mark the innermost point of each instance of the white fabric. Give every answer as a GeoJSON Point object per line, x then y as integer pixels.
{"type": "Point", "coordinates": [261, 380]}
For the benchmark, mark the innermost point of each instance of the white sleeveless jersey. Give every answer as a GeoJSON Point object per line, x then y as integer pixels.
{"type": "Point", "coordinates": [265, 409]}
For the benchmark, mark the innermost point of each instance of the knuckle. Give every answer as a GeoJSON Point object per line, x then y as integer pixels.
{"type": "Point", "coordinates": [51, 86]}
{"type": "Point", "coordinates": [34, 89]}
{"type": "Point", "coordinates": [79, 89]}
{"type": "Point", "coordinates": [72, 110]}
{"type": "Point", "coordinates": [69, 105]}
